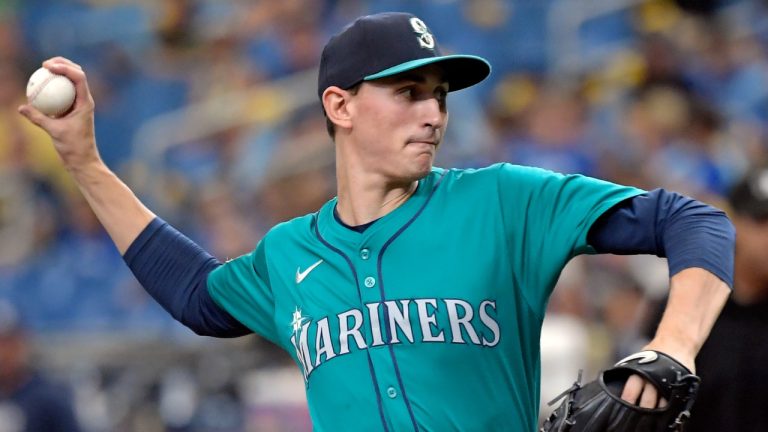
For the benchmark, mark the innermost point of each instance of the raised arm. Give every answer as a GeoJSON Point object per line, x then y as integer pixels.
{"type": "Point", "coordinates": [118, 209]}
{"type": "Point", "coordinates": [172, 268]}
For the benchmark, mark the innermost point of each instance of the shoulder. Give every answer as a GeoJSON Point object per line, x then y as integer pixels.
{"type": "Point", "coordinates": [296, 229]}
{"type": "Point", "coordinates": [502, 173]}
{"type": "Point", "coordinates": [283, 238]}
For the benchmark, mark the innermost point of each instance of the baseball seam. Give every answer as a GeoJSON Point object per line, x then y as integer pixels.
{"type": "Point", "coordinates": [40, 87]}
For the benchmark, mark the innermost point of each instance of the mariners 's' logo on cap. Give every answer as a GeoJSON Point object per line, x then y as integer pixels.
{"type": "Point", "coordinates": [426, 40]}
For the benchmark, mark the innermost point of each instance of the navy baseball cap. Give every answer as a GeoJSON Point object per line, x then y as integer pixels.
{"type": "Point", "coordinates": [386, 44]}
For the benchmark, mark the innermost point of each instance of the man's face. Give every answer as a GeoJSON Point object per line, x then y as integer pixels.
{"type": "Point", "coordinates": [399, 121]}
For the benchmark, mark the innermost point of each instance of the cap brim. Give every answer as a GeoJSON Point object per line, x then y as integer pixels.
{"type": "Point", "coordinates": [461, 71]}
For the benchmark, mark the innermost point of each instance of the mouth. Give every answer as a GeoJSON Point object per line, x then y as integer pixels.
{"type": "Point", "coordinates": [425, 141]}
{"type": "Point", "coordinates": [427, 147]}
{"type": "Point", "coordinates": [431, 137]}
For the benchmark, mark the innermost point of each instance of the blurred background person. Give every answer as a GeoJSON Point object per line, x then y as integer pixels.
{"type": "Point", "coordinates": [29, 401]}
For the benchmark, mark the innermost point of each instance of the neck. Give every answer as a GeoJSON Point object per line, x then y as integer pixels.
{"type": "Point", "coordinates": [365, 196]}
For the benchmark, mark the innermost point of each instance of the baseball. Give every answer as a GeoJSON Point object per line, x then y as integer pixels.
{"type": "Point", "coordinates": [50, 93]}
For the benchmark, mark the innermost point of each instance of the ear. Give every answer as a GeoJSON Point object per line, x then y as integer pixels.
{"type": "Point", "coordinates": [336, 105]}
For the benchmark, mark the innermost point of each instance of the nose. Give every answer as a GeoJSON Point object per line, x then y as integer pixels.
{"type": "Point", "coordinates": [433, 113]}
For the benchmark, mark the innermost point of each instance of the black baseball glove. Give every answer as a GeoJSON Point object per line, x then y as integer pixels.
{"type": "Point", "coordinates": [597, 406]}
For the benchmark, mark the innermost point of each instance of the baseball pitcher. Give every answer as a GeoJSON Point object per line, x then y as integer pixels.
{"type": "Point", "coordinates": [413, 300]}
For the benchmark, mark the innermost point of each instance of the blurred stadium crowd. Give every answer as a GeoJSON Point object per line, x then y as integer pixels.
{"type": "Point", "coordinates": [208, 110]}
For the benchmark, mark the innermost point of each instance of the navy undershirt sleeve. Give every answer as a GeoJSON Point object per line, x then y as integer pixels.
{"type": "Point", "coordinates": [687, 232]}
{"type": "Point", "coordinates": [174, 271]}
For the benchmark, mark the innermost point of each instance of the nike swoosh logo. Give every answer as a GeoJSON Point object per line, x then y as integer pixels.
{"type": "Point", "coordinates": [643, 356]}
{"type": "Point", "coordinates": [300, 275]}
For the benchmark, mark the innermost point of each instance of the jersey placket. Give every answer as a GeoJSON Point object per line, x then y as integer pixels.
{"type": "Point", "coordinates": [364, 253]}
{"type": "Point", "coordinates": [374, 292]}
{"type": "Point", "coordinates": [391, 390]}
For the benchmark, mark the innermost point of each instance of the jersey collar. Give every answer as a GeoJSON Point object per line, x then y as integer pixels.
{"type": "Point", "coordinates": [387, 225]}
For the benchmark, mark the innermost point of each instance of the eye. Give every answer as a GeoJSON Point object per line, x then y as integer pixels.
{"type": "Point", "coordinates": [441, 94]}
{"type": "Point", "coordinates": [408, 92]}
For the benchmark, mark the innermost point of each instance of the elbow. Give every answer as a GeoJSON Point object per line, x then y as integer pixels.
{"type": "Point", "coordinates": [205, 318]}
{"type": "Point", "coordinates": [726, 227]}
{"type": "Point", "coordinates": [191, 318]}
{"type": "Point", "coordinates": [222, 333]}
{"type": "Point", "coordinates": [199, 328]}
{"type": "Point", "coordinates": [203, 327]}
{"type": "Point", "coordinates": [731, 230]}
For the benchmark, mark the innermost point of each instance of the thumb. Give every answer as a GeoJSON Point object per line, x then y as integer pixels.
{"type": "Point", "coordinates": [35, 116]}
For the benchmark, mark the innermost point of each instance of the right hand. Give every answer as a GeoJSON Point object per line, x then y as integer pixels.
{"type": "Point", "coordinates": [73, 134]}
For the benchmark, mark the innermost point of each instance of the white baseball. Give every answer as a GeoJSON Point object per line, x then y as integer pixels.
{"type": "Point", "coordinates": [50, 93]}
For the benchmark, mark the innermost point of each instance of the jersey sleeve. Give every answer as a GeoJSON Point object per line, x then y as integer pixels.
{"type": "Point", "coordinates": [547, 217]}
{"type": "Point", "coordinates": [241, 287]}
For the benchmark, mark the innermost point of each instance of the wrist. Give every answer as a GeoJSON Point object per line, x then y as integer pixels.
{"type": "Point", "coordinates": [88, 170]}
{"type": "Point", "coordinates": [683, 352]}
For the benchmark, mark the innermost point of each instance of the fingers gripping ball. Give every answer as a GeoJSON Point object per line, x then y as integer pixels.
{"type": "Point", "coordinates": [51, 94]}
{"type": "Point", "coordinates": [597, 406]}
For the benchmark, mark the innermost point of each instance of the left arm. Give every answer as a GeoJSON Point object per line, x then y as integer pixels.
{"type": "Point", "coordinates": [696, 297]}
{"type": "Point", "coordinates": [698, 241]}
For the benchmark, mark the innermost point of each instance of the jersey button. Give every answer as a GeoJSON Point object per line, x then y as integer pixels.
{"type": "Point", "coordinates": [369, 282]}
{"type": "Point", "coordinates": [365, 254]}
{"type": "Point", "coordinates": [391, 392]}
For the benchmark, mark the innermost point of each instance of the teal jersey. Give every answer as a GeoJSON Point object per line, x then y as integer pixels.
{"type": "Point", "coordinates": [430, 319]}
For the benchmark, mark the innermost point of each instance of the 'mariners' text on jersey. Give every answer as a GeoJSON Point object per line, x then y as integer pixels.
{"type": "Point", "coordinates": [392, 322]}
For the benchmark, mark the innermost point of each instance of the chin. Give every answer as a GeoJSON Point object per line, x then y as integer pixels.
{"type": "Point", "coordinates": [422, 170]}
{"type": "Point", "coordinates": [413, 173]}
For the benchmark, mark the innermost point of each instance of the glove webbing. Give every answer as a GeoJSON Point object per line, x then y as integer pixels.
{"type": "Point", "coordinates": [685, 414]}
{"type": "Point", "coordinates": [568, 394]}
